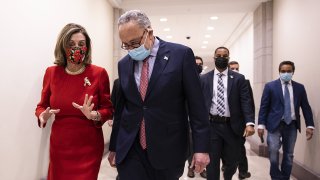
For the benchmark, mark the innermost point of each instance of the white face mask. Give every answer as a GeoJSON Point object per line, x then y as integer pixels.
{"type": "Point", "coordinates": [140, 53]}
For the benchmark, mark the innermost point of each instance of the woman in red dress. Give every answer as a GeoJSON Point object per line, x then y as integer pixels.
{"type": "Point", "coordinates": [77, 93]}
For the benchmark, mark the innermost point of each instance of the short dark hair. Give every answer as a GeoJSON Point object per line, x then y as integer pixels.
{"type": "Point", "coordinates": [287, 63]}
{"type": "Point", "coordinates": [232, 63]}
{"type": "Point", "coordinates": [198, 57]}
{"type": "Point", "coordinates": [222, 47]}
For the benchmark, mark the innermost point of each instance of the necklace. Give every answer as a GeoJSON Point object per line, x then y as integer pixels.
{"type": "Point", "coordinates": [76, 72]}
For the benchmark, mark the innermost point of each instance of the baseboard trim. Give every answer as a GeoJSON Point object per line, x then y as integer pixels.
{"type": "Point", "coordinates": [299, 171]}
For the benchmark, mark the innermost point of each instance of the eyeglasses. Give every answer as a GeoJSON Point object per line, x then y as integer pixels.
{"type": "Point", "coordinates": [135, 44]}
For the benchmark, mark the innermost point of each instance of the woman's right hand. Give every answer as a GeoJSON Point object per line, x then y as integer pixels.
{"type": "Point", "coordinates": [45, 115]}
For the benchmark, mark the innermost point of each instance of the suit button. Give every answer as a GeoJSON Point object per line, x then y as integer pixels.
{"type": "Point", "coordinates": [145, 107]}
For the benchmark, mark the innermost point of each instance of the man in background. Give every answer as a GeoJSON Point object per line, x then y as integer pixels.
{"type": "Point", "coordinates": [280, 115]}
{"type": "Point", "coordinates": [243, 161]}
{"type": "Point", "coordinates": [231, 115]}
{"type": "Point", "coordinates": [199, 63]}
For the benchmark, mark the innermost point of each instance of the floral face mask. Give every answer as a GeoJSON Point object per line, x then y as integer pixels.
{"type": "Point", "coordinates": [76, 55]}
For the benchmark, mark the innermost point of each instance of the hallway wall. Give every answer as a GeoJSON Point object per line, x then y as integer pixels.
{"type": "Point", "coordinates": [29, 29]}
{"type": "Point", "coordinates": [296, 38]}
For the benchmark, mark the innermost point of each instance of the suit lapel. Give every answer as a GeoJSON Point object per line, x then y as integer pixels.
{"type": "Point", "coordinates": [163, 56]}
{"type": "Point", "coordinates": [131, 81]}
{"type": "Point", "coordinates": [230, 81]}
{"type": "Point", "coordinates": [294, 88]}
{"type": "Point", "coordinates": [210, 80]}
{"type": "Point", "coordinates": [279, 90]}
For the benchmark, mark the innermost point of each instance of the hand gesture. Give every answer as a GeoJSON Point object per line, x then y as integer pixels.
{"type": "Point", "coordinates": [112, 159]}
{"type": "Point", "coordinates": [249, 131]}
{"type": "Point", "coordinates": [200, 161]}
{"type": "Point", "coordinates": [309, 133]}
{"type": "Point", "coordinates": [87, 107]}
{"type": "Point", "coordinates": [45, 115]}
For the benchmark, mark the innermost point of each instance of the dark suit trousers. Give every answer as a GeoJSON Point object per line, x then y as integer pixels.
{"type": "Point", "coordinates": [243, 161]}
{"type": "Point", "coordinates": [136, 166]}
{"type": "Point", "coordinates": [224, 144]}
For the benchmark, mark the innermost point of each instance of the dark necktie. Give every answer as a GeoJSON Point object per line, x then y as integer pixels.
{"type": "Point", "coordinates": [143, 90]}
{"type": "Point", "coordinates": [220, 96]}
{"type": "Point", "coordinates": [287, 103]}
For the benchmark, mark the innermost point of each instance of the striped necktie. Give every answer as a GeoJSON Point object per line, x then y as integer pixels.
{"type": "Point", "coordinates": [220, 96]}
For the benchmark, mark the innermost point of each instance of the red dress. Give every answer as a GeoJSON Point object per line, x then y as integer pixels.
{"type": "Point", "coordinates": [76, 143]}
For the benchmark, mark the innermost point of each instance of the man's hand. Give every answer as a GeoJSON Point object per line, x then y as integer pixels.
{"type": "Point", "coordinates": [249, 131]}
{"type": "Point", "coordinates": [309, 133]}
{"type": "Point", "coordinates": [45, 115]}
{"type": "Point", "coordinates": [200, 161]}
{"type": "Point", "coordinates": [112, 158]}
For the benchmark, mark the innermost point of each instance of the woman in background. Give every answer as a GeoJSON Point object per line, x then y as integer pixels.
{"type": "Point", "coordinates": [77, 93]}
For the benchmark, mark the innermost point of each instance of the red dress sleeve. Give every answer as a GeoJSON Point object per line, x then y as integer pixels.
{"type": "Point", "coordinates": [104, 106]}
{"type": "Point", "coordinates": [45, 95]}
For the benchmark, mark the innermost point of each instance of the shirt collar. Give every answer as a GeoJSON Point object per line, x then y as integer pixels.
{"type": "Point", "coordinates": [283, 82]}
{"type": "Point", "coordinates": [225, 72]}
{"type": "Point", "coordinates": [155, 47]}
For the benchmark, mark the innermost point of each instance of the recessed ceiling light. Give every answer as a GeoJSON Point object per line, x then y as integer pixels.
{"type": "Point", "coordinates": [210, 28]}
{"type": "Point", "coordinates": [163, 19]}
{"type": "Point", "coordinates": [205, 42]}
{"type": "Point", "coordinates": [166, 29]}
{"type": "Point", "coordinates": [203, 47]}
{"type": "Point", "coordinates": [169, 37]}
{"type": "Point", "coordinates": [214, 18]}
{"type": "Point", "coordinates": [207, 36]}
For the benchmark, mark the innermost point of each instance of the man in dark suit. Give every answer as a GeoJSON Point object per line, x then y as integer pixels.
{"type": "Point", "coordinates": [243, 161]}
{"type": "Point", "coordinates": [279, 114]}
{"type": "Point", "coordinates": [231, 115]}
{"type": "Point", "coordinates": [149, 139]}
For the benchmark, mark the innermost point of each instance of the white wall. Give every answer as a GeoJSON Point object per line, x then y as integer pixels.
{"type": "Point", "coordinates": [240, 44]}
{"type": "Point", "coordinates": [242, 51]}
{"type": "Point", "coordinates": [29, 29]}
{"type": "Point", "coordinates": [296, 38]}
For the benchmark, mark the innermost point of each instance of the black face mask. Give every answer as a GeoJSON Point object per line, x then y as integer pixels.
{"type": "Point", "coordinates": [199, 68]}
{"type": "Point", "coordinates": [221, 62]}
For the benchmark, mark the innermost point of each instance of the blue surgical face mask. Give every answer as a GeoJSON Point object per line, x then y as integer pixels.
{"type": "Point", "coordinates": [286, 76]}
{"type": "Point", "coordinates": [140, 53]}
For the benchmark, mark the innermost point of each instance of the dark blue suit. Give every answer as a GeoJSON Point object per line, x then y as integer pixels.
{"type": "Point", "coordinates": [272, 106]}
{"type": "Point", "coordinates": [174, 81]}
{"type": "Point", "coordinates": [279, 133]}
{"type": "Point", "coordinates": [226, 137]}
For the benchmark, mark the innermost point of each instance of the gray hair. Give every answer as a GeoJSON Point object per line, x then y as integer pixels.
{"type": "Point", "coordinates": [135, 15]}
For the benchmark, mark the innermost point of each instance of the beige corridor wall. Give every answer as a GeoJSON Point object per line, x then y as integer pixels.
{"type": "Point", "coordinates": [297, 38]}
{"type": "Point", "coordinates": [29, 29]}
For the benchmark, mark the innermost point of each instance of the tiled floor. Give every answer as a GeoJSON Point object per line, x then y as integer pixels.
{"type": "Point", "coordinates": [258, 166]}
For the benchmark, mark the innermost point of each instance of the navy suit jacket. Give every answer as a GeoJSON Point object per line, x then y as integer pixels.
{"type": "Point", "coordinates": [174, 81]}
{"type": "Point", "coordinates": [239, 99]}
{"type": "Point", "coordinates": [272, 105]}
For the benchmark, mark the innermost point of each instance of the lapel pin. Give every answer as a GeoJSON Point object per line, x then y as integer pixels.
{"type": "Point", "coordinates": [231, 76]}
{"type": "Point", "coordinates": [165, 58]}
{"type": "Point", "coordinates": [86, 81]}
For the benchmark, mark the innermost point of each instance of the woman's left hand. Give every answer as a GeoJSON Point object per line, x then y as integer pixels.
{"type": "Point", "coordinates": [87, 106]}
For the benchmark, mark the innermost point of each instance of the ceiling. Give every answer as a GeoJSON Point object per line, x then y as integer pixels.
{"type": "Point", "coordinates": [191, 18]}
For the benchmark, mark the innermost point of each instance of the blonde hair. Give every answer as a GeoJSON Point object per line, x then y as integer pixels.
{"type": "Point", "coordinates": [63, 40]}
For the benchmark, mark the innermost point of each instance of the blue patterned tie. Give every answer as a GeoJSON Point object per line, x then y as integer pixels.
{"type": "Point", "coordinates": [220, 96]}
{"type": "Point", "coordinates": [287, 107]}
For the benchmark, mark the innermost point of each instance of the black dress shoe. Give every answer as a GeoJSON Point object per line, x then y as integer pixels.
{"type": "Point", "coordinates": [244, 175]}
{"type": "Point", "coordinates": [203, 174]}
{"type": "Point", "coordinates": [190, 173]}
